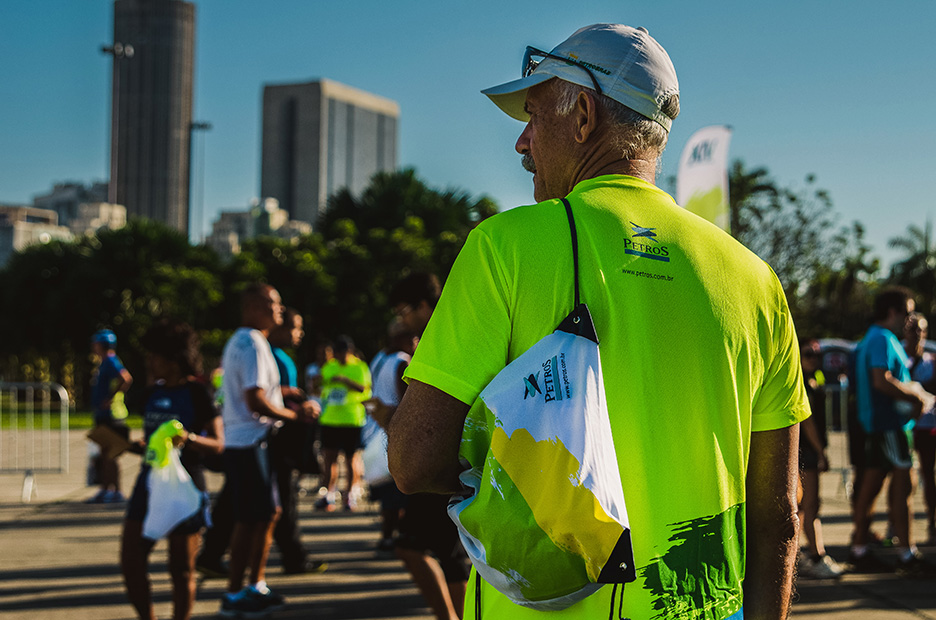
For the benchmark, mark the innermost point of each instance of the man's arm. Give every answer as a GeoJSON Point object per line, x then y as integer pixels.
{"type": "Point", "coordinates": [885, 382]}
{"type": "Point", "coordinates": [772, 524]}
{"type": "Point", "coordinates": [425, 432]}
{"type": "Point", "coordinates": [257, 401]}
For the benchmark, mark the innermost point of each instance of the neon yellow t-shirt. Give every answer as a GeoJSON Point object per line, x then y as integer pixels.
{"type": "Point", "coordinates": [698, 349]}
{"type": "Point", "coordinates": [342, 406]}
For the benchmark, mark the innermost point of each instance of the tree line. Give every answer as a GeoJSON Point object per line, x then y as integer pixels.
{"type": "Point", "coordinates": [54, 296]}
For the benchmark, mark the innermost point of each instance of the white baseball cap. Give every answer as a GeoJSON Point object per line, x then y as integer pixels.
{"type": "Point", "coordinates": [623, 63]}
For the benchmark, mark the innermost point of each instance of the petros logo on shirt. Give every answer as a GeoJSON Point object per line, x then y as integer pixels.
{"type": "Point", "coordinates": [643, 243]}
{"type": "Point", "coordinates": [555, 381]}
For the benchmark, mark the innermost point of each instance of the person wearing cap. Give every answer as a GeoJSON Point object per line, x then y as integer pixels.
{"type": "Point", "coordinates": [346, 384]}
{"type": "Point", "coordinates": [109, 383]}
{"type": "Point", "coordinates": [707, 455]}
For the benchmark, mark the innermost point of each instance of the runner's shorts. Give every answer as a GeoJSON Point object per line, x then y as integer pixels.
{"type": "Point", "coordinates": [888, 450]}
{"type": "Point", "coordinates": [345, 439]}
{"type": "Point", "coordinates": [426, 527]}
{"type": "Point", "coordinates": [253, 493]}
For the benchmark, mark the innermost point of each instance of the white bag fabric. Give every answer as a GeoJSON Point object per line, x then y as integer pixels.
{"type": "Point", "coordinates": [374, 455]}
{"type": "Point", "coordinates": [173, 498]}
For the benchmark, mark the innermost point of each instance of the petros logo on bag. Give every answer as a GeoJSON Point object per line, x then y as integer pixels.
{"type": "Point", "coordinates": [555, 381]}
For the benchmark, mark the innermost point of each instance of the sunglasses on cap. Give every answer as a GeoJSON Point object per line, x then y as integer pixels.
{"type": "Point", "coordinates": [533, 57]}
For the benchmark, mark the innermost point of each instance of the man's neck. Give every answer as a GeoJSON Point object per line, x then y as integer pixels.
{"type": "Point", "coordinates": [265, 332]}
{"type": "Point", "coordinates": [602, 162]}
{"type": "Point", "coordinates": [884, 325]}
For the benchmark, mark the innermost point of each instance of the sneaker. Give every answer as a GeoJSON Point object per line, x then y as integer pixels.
{"type": "Point", "coordinates": [114, 497]}
{"type": "Point", "coordinates": [868, 563]}
{"type": "Point", "coordinates": [212, 570]}
{"type": "Point", "coordinates": [386, 544]}
{"type": "Point", "coordinates": [248, 603]}
{"type": "Point", "coordinates": [272, 600]}
{"type": "Point", "coordinates": [324, 503]}
{"type": "Point", "coordinates": [916, 566]}
{"type": "Point", "coordinates": [309, 567]}
{"type": "Point", "coordinates": [98, 498]}
{"type": "Point", "coordinates": [823, 568]}
{"type": "Point", "coordinates": [355, 499]}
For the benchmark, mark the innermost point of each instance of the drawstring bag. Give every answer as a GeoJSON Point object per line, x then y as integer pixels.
{"type": "Point", "coordinates": [543, 517]}
{"type": "Point", "coordinates": [173, 497]}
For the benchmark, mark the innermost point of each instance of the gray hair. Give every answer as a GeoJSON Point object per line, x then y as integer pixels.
{"type": "Point", "coordinates": [632, 134]}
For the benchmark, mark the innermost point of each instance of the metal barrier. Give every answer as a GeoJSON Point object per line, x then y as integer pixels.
{"type": "Point", "coordinates": [29, 442]}
{"type": "Point", "coordinates": [836, 417]}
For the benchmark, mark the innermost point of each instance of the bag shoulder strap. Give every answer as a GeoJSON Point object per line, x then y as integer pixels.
{"type": "Point", "coordinates": [575, 266]}
{"type": "Point", "coordinates": [579, 321]}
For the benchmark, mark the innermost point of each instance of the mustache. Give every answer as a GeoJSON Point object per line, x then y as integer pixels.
{"type": "Point", "coordinates": [528, 164]}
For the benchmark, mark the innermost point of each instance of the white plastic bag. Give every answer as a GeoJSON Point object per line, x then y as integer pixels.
{"type": "Point", "coordinates": [374, 456]}
{"type": "Point", "coordinates": [173, 498]}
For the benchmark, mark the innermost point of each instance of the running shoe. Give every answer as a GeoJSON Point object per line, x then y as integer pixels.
{"type": "Point", "coordinates": [249, 603]}
{"type": "Point", "coordinates": [324, 503]}
{"type": "Point", "coordinates": [823, 568]}
{"type": "Point", "coordinates": [273, 601]}
{"type": "Point", "coordinates": [97, 498]}
{"type": "Point", "coordinates": [309, 567]}
{"type": "Point", "coordinates": [916, 566]}
{"type": "Point", "coordinates": [868, 563]}
{"type": "Point", "coordinates": [114, 497]}
{"type": "Point", "coordinates": [355, 498]}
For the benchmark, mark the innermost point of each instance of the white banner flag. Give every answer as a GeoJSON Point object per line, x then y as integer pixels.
{"type": "Point", "coordinates": [702, 181]}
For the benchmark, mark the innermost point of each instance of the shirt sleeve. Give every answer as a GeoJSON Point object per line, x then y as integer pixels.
{"type": "Point", "coordinates": [466, 342]}
{"type": "Point", "coordinates": [781, 400]}
{"type": "Point", "coordinates": [879, 353]}
{"type": "Point", "coordinates": [249, 365]}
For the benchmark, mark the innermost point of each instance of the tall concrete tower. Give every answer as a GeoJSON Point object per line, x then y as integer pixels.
{"type": "Point", "coordinates": [151, 108]}
{"type": "Point", "coordinates": [319, 137]}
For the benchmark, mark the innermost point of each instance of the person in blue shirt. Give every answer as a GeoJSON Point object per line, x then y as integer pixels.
{"type": "Point", "coordinates": [288, 444]}
{"type": "Point", "coordinates": [888, 401]}
{"type": "Point", "coordinates": [109, 383]}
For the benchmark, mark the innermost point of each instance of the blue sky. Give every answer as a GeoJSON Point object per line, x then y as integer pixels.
{"type": "Point", "coordinates": [842, 89]}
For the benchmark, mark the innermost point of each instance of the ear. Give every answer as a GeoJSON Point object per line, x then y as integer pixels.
{"type": "Point", "coordinates": [586, 116]}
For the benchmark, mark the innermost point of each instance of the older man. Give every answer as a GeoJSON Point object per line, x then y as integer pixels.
{"type": "Point", "coordinates": [699, 353]}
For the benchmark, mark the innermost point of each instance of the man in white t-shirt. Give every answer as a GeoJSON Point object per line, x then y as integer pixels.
{"type": "Point", "coordinates": [252, 401]}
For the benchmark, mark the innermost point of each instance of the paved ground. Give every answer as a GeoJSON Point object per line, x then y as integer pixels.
{"type": "Point", "coordinates": [58, 560]}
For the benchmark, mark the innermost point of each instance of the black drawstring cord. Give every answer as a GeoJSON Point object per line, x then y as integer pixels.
{"type": "Point", "coordinates": [620, 603]}
{"type": "Point", "coordinates": [575, 270]}
{"type": "Point", "coordinates": [477, 613]}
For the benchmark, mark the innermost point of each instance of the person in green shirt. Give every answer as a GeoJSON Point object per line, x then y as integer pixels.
{"type": "Point", "coordinates": [346, 384]}
{"type": "Point", "coordinates": [698, 349]}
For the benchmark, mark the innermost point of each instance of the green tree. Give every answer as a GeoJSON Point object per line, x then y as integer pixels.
{"type": "Point", "coordinates": [826, 271]}
{"type": "Point", "coordinates": [55, 296]}
{"type": "Point", "coordinates": [917, 270]}
{"type": "Point", "coordinates": [839, 299]}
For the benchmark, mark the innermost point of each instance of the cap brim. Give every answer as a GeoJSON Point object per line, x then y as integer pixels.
{"type": "Point", "coordinates": [511, 96]}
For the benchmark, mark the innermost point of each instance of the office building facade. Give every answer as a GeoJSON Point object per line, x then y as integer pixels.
{"type": "Point", "coordinates": [152, 94]}
{"type": "Point", "coordinates": [319, 137]}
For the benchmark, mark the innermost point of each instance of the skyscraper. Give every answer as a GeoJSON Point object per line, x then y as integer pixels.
{"type": "Point", "coordinates": [319, 137]}
{"type": "Point", "coordinates": [152, 101]}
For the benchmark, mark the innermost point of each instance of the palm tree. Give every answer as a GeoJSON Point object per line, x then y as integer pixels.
{"type": "Point", "coordinates": [750, 194]}
{"type": "Point", "coordinates": [917, 270]}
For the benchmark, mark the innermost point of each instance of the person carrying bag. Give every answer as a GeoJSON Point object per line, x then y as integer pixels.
{"type": "Point", "coordinates": [543, 517]}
